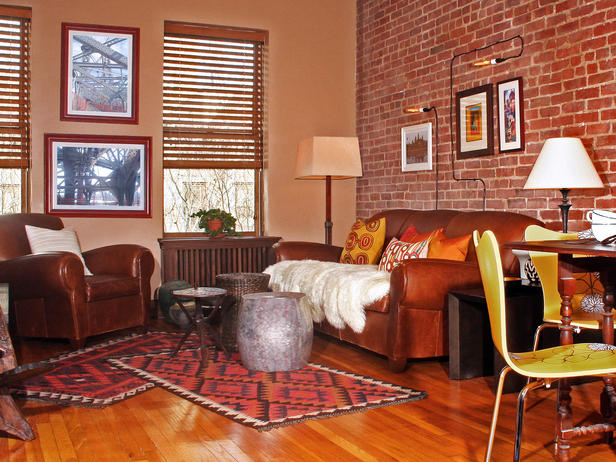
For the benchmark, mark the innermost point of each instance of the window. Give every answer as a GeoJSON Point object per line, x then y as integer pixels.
{"type": "Point", "coordinates": [14, 109]}
{"type": "Point", "coordinates": [212, 124]}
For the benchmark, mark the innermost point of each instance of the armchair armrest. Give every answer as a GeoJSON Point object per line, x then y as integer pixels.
{"type": "Point", "coordinates": [424, 283]}
{"type": "Point", "coordinates": [127, 259]}
{"type": "Point", "coordinates": [297, 250]}
{"type": "Point", "coordinates": [36, 276]}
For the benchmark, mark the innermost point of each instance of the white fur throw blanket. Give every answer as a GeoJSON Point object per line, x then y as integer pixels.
{"type": "Point", "coordinates": [336, 291]}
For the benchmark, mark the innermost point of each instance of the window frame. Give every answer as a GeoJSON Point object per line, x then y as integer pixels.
{"type": "Point", "coordinates": [22, 126]}
{"type": "Point", "coordinates": [255, 163]}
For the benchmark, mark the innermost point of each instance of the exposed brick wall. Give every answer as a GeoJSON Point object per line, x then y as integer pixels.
{"type": "Point", "coordinates": [404, 49]}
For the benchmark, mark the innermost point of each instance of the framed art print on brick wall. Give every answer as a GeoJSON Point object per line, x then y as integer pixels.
{"type": "Point", "coordinates": [474, 114]}
{"type": "Point", "coordinates": [417, 148]}
{"type": "Point", "coordinates": [510, 115]}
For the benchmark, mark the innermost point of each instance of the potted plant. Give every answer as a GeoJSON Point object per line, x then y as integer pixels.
{"type": "Point", "coordinates": [215, 222]}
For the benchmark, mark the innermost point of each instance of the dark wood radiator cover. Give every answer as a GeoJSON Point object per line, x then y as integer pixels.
{"type": "Point", "coordinates": [197, 260]}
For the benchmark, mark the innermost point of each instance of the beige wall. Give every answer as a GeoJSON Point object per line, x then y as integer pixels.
{"type": "Point", "coordinates": [310, 91]}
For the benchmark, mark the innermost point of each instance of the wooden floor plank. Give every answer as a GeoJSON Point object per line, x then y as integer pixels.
{"type": "Point", "coordinates": [158, 426]}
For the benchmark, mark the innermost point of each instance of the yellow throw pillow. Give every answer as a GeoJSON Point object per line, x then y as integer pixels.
{"type": "Point", "coordinates": [364, 243]}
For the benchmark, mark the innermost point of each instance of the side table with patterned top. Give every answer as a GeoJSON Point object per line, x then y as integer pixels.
{"type": "Point", "coordinates": [237, 285]}
{"type": "Point", "coordinates": [208, 296]}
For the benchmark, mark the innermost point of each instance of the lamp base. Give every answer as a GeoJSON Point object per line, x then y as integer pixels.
{"type": "Point", "coordinates": [565, 205]}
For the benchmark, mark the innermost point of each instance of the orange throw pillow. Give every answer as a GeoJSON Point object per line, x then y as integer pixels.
{"type": "Point", "coordinates": [454, 248]}
{"type": "Point", "coordinates": [364, 243]}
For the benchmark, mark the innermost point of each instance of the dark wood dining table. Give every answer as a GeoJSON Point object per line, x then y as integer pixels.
{"type": "Point", "coordinates": [575, 256]}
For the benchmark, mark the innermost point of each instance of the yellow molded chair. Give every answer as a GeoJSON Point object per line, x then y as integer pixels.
{"type": "Point", "coordinates": [547, 365]}
{"type": "Point", "coordinates": [546, 265]}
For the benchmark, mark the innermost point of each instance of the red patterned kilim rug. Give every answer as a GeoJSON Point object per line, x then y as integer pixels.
{"type": "Point", "coordinates": [111, 372]}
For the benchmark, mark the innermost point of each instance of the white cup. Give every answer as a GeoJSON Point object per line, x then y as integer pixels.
{"type": "Point", "coordinates": [603, 223]}
{"type": "Point", "coordinates": [601, 216]}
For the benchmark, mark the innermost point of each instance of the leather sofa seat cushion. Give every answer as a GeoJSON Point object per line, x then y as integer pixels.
{"type": "Point", "coordinates": [108, 286]}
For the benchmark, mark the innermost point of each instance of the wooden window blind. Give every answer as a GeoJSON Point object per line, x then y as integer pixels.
{"type": "Point", "coordinates": [212, 97]}
{"type": "Point", "coordinates": [15, 89]}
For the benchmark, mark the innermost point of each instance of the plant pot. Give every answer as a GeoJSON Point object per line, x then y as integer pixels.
{"type": "Point", "coordinates": [214, 225]}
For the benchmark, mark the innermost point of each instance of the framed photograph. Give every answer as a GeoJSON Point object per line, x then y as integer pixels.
{"type": "Point", "coordinates": [510, 115]}
{"type": "Point", "coordinates": [417, 148]}
{"type": "Point", "coordinates": [99, 73]}
{"type": "Point", "coordinates": [98, 175]}
{"type": "Point", "coordinates": [474, 122]}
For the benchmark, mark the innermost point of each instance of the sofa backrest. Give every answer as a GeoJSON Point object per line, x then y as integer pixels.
{"type": "Point", "coordinates": [13, 239]}
{"type": "Point", "coordinates": [398, 220]}
{"type": "Point", "coordinates": [507, 226]}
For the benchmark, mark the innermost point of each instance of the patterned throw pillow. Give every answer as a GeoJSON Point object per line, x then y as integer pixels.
{"type": "Point", "coordinates": [364, 243]}
{"type": "Point", "coordinates": [398, 251]}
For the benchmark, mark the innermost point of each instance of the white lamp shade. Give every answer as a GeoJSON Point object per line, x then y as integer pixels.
{"type": "Point", "coordinates": [321, 156]}
{"type": "Point", "coordinates": [563, 163]}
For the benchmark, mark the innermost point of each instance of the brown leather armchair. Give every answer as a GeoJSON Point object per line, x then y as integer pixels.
{"type": "Point", "coordinates": [51, 297]}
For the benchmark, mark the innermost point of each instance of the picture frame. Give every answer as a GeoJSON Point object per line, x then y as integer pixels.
{"type": "Point", "coordinates": [98, 175]}
{"type": "Point", "coordinates": [474, 117]}
{"type": "Point", "coordinates": [417, 147]}
{"type": "Point", "coordinates": [99, 73]}
{"type": "Point", "coordinates": [510, 115]}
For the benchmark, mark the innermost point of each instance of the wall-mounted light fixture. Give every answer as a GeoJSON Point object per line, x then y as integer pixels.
{"type": "Point", "coordinates": [415, 110]}
{"type": "Point", "coordinates": [486, 62]}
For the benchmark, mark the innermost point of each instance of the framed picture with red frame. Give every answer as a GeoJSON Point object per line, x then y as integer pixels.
{"type": "Point", "coordinates": [98, 175]}
{"type": "Point", "coordinates": [99, 73]}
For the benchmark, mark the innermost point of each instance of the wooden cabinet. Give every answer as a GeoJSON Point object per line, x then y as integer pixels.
{"type": "Point", "coordinates": [197, 260]}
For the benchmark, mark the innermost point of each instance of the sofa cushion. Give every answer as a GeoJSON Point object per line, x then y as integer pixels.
{"type": "Point", "coordinates": [108, 286]}
{"type": "Point", "coordinates": [398, 251]}
{"type": "Point", "coordinates": [364, 242]}
{"type": "Point", "coordinates": [454, 248]}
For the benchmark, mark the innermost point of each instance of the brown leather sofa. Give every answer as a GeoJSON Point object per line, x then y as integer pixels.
{"type": "Point", "coordinates": [51, 297]}
{"type": "Point", "coordinates": [411, 322]}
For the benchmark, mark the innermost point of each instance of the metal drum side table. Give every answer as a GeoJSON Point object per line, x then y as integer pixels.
{"type": "Point", "coordinates": [237, 285]}
{"type": "Point", "coordinates": [273, 333]}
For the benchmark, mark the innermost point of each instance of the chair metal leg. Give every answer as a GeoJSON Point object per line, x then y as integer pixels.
{"type": "Point", "coordinates": [538, 332]}
{"type": "Point", "coordinates": [520, 416]}
{"type": "Point", "coordinates": [497, 400]}
{"type": "Point", "coordinates": [540, 328]}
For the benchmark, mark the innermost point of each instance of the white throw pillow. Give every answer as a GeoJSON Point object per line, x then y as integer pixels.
{"type": "Point", "coordinates": [51, 240]}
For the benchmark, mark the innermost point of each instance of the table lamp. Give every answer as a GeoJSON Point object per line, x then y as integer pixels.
{"type": "Point", "coordinates": [329, 158]}
{"type": "Point", "coordinates": [563, 164]}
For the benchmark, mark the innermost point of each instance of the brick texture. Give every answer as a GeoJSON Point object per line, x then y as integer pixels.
{"type": "Point", "coordinates": [404, 51]}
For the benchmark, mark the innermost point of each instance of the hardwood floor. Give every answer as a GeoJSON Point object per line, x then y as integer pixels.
{"type": "Point", "coordinates": [452, 424]}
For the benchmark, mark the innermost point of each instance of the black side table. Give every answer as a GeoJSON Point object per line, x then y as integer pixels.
{"type": "Point", "coordinates": [202, 324]}
{"type": "Point", "coordinates": [471, 350]}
